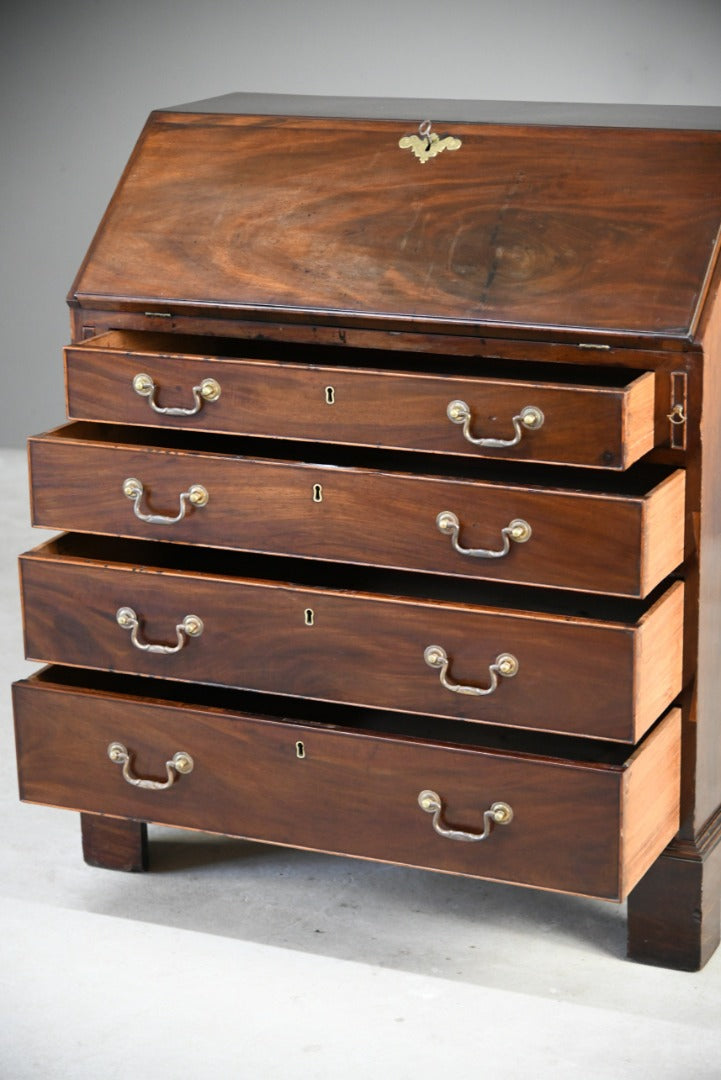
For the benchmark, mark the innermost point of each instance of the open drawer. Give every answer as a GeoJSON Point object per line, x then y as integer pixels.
{"type": "Point", "coordinates": [482, 408]}
{"type": "Point", "coordinates": [568, 815]}
{"type": "Point", "coordinates": [566, 528]}
{"type": "Point", "coordinates": [529, 658]}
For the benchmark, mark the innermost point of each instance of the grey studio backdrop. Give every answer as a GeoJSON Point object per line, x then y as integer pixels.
{"type": "Point", "coordinates": [78, 79]}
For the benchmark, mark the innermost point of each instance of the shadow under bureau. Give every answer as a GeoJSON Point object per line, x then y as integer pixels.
{"type": "Point", "coordinates": [388, 500]}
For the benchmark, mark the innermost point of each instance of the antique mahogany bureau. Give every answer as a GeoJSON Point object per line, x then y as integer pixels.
{"type": "Point", "coordinates": [389, 501]}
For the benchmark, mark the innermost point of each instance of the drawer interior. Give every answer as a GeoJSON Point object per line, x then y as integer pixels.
{"type": "Point", "coordinates": [351, 718]}
{"type": "Point", "coordinates": [634, 482]}
{"type": "Point", "coordinates": [577, 824]}
{"type": "Point", "coordinates": [488, 366]}
{"type": "Point", "coordinates": [102, 550]}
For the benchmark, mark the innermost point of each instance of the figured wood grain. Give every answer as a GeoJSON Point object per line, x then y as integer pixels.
{"type": "Point", "coordinates": [529, 244]}
{"type": "Point", "coordinates": [366, 516]}
{"type": "Point", "coordinates": [594, 426]}
{"type": "Point", "coordinates": [577, 675]}
{"type": "Point", "coordinates": [352, 793]}
{"type": "Point", "coordinates": [529, 226]}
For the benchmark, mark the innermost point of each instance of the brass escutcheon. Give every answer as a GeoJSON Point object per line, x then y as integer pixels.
{"type": "Point", "coordinates": [427, 144]}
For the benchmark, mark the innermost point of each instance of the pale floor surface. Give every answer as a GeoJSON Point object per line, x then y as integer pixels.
{"type": "Point", "coordinates": [234, 960]}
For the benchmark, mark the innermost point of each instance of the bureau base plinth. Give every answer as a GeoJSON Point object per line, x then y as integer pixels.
{"type": "Point", "coordinates": [674, 913]}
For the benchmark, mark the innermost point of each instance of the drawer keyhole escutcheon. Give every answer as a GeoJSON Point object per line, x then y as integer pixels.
{"type": "Point", "coordinates": [179, 763]}
{"type": "Point", "coordinates": [505, 666]}
{"type": "Point", "coordinates": [499, 813]}
{"type": "Point", "coordinates": [196, 496]}
{"type": "Point", "coordinates": [317, 493]}
{"type": "Point", "coordinates": [207, 390]}
{"type": "Point", "coordinates": [309, 616]}
{"type": "Point", "coordinates": [190, 627]}
{"type": "Point", "coordinates": [330, 395]}
{"type": "Point", "coordinates": [530, 418]}
{"type": "Point", "coordinates": [518, 531]}
{"type": "Point", "coordinates": [428, 144]}
{"type": "Point", "coordinates": [300, 749]}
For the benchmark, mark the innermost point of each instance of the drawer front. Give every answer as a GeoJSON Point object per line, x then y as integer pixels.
{"type": "Point", "coordinates": [575, 675]}
{"type": "Point", "coordinates": [576, 827]}
{"type": "Point", "coordinates": [594, 426]}
{"type": "Point", "coordinates": [622, 545]}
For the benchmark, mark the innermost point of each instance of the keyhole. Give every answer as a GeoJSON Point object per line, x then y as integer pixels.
{"type": "Point", "coordinates": [300, 749]}
{"type": "Point", "coordinates": [309, 616]}
{"type": "Point", "coordinates": [317, 493]}
{"type": "Point", "coordinates": [330, 395]}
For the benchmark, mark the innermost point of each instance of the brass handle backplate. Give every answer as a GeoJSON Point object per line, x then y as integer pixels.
{"type": "Point", "coordinates": [499, 813]}
{"type": "Point", "coordinates": [196, 496]}
{"type": "Point", "coordinates": [190, 627]}
{"type": "Point", "coordinates": [179, 763]}
{"type": "Point", "coordinates": [207, 390]}
{"type": "Point", "coordinates": [518, 531]}
{"type": "Point", "coordinates": [505, 665]}
{"type": "Point", "coordinates": [530, 418]}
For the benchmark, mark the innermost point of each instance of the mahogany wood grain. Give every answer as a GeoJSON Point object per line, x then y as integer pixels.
{"type": "Point", "coordinates": [366, 516]}
{"type": "Point", "coordinates": [561, 249]}
{"type": "Point", "coordinates": [578, 675]}
{"type": "Point", "coordinates": [352, 792]}
{"type": "Point", "coordinates": [595, 426]}
{"type": "Point", "coordinates": [528, 226]}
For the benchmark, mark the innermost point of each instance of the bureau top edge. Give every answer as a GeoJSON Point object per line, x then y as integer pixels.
{"type": "Point", "coordinates": [556, 113]}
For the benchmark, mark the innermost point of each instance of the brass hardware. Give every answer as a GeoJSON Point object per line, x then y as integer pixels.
{"type": "Point", "coordinates": [179, 763]}
{"type": "Point", "coordinates": [190, 627]}
{"type": "Point", "coordinates": [317, 493]}
{"type": "Point", "coordinates": [196, 495]}
{"type": "Point", "coordinates": [505, 665]}
{"type": "Point", "coordinates": [427, 144]}
{"type": "Point", "coordinates": [583, 345]}
{"type": "Point", "coordinates": [530, 417]}
{"type": "Point", "coordinates": [499, 813]}
{"type": "Point", "coordinates": [330, 395]}
{"type": "Point", "coordinates": [678, 416]}
{"type": "Point", "coordinates": [207, 390]}
{"type": "Point", "coordinates": [518, 531]}
{"type": "Point", "coordinates": [300, 749]}
{"type": "Point", "coordinates": [309, 616]}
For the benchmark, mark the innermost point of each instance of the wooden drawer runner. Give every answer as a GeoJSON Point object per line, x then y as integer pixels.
{"type": "Point", "coordinates": [623, 542]}
{"type": "Point", "coordinates": [608, 674]}
{"type": "Point", "coordinates": [578, 825]}
{"type": "Point", "coordinates": [599, 426]}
